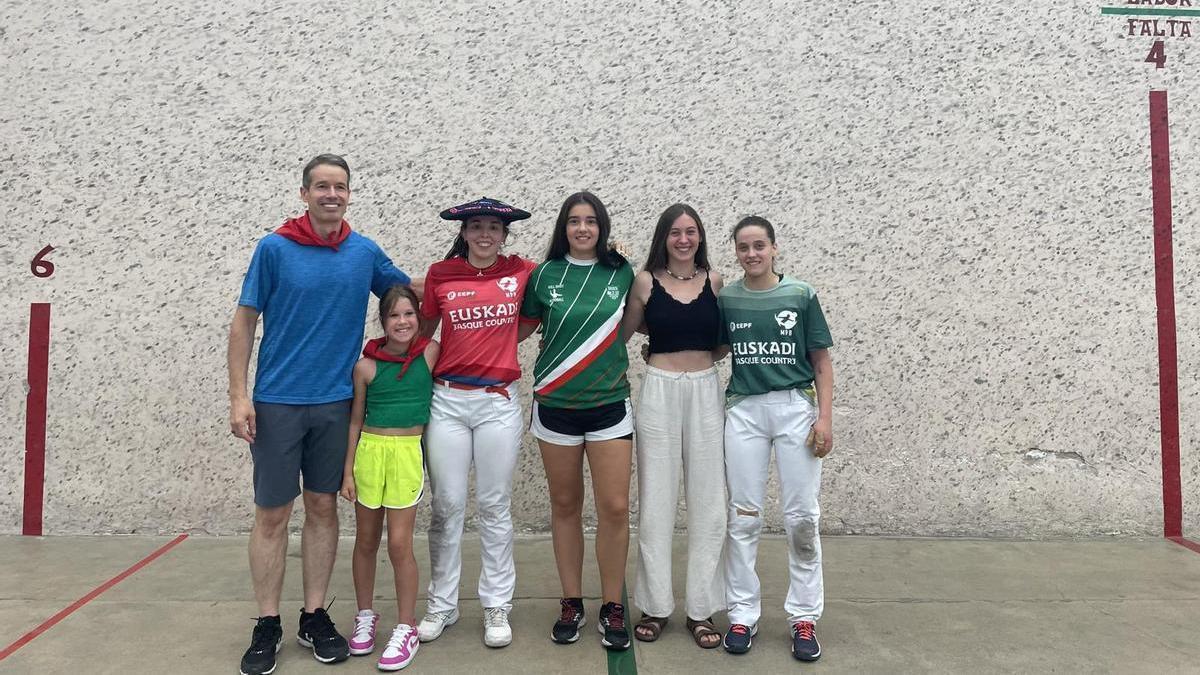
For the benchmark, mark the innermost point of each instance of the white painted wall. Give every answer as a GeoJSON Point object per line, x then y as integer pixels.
{"type": "Point", "coordinates": [967, 186]}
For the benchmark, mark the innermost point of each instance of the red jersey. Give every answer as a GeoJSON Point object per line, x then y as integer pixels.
{"type": "Point", "coordinates": [479, 313]}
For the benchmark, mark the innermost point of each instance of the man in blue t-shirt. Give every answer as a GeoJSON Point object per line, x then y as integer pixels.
{"type": "Point", "coordinates": [311, 280]}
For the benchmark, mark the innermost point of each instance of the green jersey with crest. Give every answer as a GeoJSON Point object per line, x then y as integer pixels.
{"type": "Point", "coordinates": [769, 334]}
{"type": "Point", "coordinates": [582, 362]}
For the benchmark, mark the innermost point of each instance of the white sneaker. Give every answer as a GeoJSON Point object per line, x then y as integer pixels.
{"type": "Point", "coordinates": [434, 623]}
{"type": "Point", "coordinates": [496, 631]}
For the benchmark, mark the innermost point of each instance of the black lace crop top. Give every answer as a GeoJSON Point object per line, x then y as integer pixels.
{"type": "Point", "coordinates": [676, 326]}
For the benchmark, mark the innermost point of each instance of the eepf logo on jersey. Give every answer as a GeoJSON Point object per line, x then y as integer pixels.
{"type": "Point", "coordinates": [508, 285]}
{"type": "Point", "coordinates": [786, 320]}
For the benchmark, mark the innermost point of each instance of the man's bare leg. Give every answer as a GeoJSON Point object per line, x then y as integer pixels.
{"type": "Point", "coordinates": [268, 556]}
{"type": "Point", "coordinates": [318, 546]}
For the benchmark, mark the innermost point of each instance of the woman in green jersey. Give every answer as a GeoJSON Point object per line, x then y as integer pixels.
{"type": "Point", "coordinates": [581, 406]}
{"type": "Point", "coordinates": [780, 397]}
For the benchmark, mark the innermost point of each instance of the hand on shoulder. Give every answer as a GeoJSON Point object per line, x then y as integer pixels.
{"type": "Point", "coordinates": [620, 248]}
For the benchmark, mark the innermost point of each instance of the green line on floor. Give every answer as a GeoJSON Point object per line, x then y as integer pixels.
{"type": "Point", "coordinates": [1149, 11]}
{"type": "Point", "coordinates": [624, 663]}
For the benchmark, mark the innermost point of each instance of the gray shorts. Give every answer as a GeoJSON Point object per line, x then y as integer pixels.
{"type": "Point", "coordinates": [298, 440]}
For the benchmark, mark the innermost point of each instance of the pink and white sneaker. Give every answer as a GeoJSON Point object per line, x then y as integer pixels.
{"type": "Point", "coordinates": [363, 640]}
{"type": "Point", "coordinates": [401, 648]}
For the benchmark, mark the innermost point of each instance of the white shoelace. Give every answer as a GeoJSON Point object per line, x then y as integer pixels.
{"type": "Point", "coordinates": [400, 636]}
{"type": "Point", "coordinates": [495, 617]}
{"type": "Point", "coordinates": [363, 625]}
{"type": "Point", "coordinates": [439, 617]}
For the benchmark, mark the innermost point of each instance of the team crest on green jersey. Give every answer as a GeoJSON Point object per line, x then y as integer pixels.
{"type": "Point", "coordinates": [786, 320]}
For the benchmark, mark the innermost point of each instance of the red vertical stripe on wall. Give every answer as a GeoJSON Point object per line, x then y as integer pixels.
{"type": "Point", "coordinates": [35, 417]}
{"type": "Point", "coordinates": [1164, 291]}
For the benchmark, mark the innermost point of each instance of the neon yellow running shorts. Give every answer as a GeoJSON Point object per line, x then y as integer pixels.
{"type": "Point", "coordinates": [388, 471]}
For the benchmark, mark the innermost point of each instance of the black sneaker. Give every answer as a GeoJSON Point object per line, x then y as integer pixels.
{"type": "Point", "coordinates": [317, 631]}
{"type": "Point", "coordinates": [259, 658]}
{"type": "Point", "coordinates": [612, 625]}
{"type": "Point", "coordinates": [566, 629]}
{"type": "Point", "coordinates": [739, 638]}
{"type": "Point", "coordinates": [804, 641]}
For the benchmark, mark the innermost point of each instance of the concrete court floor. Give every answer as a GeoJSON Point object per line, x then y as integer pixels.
{"type": "Point", "coordinates": [892, 605]}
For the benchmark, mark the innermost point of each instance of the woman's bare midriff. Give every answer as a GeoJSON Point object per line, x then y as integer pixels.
{"type": "Point", "coordinates": [682, 362]}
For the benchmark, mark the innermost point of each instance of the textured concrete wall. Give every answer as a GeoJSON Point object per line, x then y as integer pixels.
{"type": "Point", "coordinates": [967, 185]}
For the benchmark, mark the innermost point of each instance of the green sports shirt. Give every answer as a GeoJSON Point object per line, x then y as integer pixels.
{"type": "Point", "coordinates": [583, 361]}
{"type": "Point", "coordinates": [770, 334]}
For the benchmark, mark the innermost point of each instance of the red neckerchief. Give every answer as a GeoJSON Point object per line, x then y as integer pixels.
{"type": "Point", "coordinates": [374, 350]}
{"type": "Point", "coordinates": [300, 230]}
{"type": "Point", "coordinates": [458, 269]}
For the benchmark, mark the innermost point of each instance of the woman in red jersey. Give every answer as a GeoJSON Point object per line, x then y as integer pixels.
{"type": "Point", "coordinates": [475, 417]}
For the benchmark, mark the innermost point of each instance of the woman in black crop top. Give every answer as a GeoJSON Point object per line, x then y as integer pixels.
{"type": "Point", "coordinates": [680, 426]}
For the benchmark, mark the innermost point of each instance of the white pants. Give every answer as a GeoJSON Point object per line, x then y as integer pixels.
{"type": "Point", "coordinates": [680, 419]}
{"type": "Point", "coordinates": [465, 427]}
{"type": "Point", "coordinates": [779, 419]}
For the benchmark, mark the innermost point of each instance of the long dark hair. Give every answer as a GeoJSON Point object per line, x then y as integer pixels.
{"type": "Point", "coordinates": [559, 247]}
{"type": "Point", "coordinates": [657, 259]}
{"type": "Point", "coordinates": [459, 248]}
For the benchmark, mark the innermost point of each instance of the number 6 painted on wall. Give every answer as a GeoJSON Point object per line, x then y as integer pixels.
{"type": "Point", "coordinates": [42, 268]}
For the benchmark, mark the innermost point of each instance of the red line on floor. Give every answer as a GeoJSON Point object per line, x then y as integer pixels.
{"type": "Point", "coordinates": [1186, 543]}
{"type": "Point", "coordinates": [49, 623]}
{"type": "Point", "coordinates": [1164, 292]}
{"type": "Point", "coordinates": [35, 417]}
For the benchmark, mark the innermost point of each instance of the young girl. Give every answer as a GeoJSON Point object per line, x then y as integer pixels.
{"type": "Point", "coordinates": [475, 419]}
{"type": "Point", "coordinates": [680, 423]}
{"type": "Point", "coordinates": [384, 472]}
{"type": "Point", "coordinates": [780, 343]}
{"type": "Point", "coordinates": [581, 407]}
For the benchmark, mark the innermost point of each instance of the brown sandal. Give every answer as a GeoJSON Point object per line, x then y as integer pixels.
{"type": "Point", "coordinates": [652, 625]}
{"type": "Point", "coordinates": [704, 629]}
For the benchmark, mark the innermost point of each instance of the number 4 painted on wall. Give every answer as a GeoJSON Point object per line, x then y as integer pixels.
{"type": "Point", "coordinates": [1157, 54]}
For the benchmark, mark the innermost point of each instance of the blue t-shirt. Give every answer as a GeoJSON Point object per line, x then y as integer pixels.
{"type": "Point", "coordinates": [313, 302]}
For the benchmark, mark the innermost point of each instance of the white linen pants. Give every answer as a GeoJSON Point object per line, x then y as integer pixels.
{"type": "Point", "coordinates": [782, 420]}
{"type": "Point", "coordinates": [465, 427]}
{"type": "Point", "coordinates": [680, 421]}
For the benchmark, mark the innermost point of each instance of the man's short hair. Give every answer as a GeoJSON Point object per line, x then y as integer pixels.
{"type": "Point", "coordinates": [330, 159]}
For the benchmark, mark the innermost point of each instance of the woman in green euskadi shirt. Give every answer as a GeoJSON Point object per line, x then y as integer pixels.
{"type": "Point", "coordinates": [779, 397]}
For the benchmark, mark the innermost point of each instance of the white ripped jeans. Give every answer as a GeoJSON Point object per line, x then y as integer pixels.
{"type": "Point", "coordinates": [756, 424]}
{"type": "Point", "coordinates": [472, 427]}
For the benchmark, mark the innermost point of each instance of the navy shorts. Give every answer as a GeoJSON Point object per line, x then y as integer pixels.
{"type": "Point", "coordinates": [298, 440]}
{"type": "Point", "coordinates": [563, 426]}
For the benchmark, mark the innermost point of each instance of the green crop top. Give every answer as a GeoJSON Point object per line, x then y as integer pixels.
{"type": "Point", "coordinates": [394, 404]}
